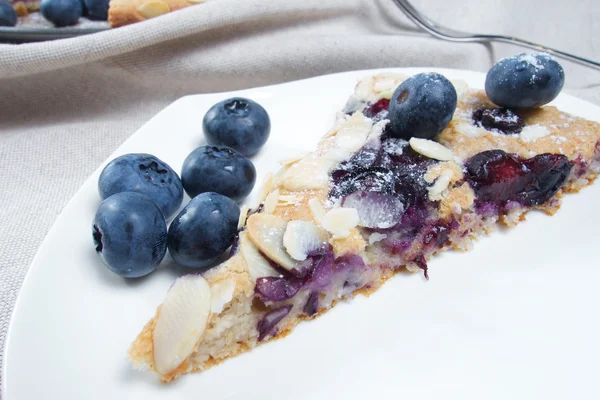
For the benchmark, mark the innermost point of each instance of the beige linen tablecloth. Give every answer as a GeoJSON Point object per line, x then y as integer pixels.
{"type": "Point", "coordinates": [66, 105]}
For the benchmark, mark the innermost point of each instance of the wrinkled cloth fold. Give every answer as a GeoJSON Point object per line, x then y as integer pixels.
{"type": "Point", "coordinates": [66, 105]}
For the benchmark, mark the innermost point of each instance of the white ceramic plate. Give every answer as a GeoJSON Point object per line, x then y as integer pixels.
{"type": "Point", "coordinates": [516, 318]}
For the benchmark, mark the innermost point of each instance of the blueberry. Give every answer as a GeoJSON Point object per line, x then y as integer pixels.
{"type": "Point", "coordinates": [422, 106]}
{"type": "Point", "coordinates": [218, 169]}
{"type": "Point", "coordinates": [61, 12]}
{"type": "Point", "coordinates": [143, 173]}
{"type": "Point", "coordinates": [498, 177]}
{"type": "Point", "coordinates": [130, 234]}
{"type": "Point", "coordinates": [526, 80]}
{"type": "Point", "coordinates": [84, 12]}
{"type": "Point", "coordinates": [501, 120]}
{"type": "Point", "coordinates": [203, 230]}
{"type": "Point", "coordinates": [376, 179]}
{"type": "Point", "coordinates": [97, 9]}
{"type": "Point", "coordinates": [8, 16]}
{"type": "Point", "coordinates": [239, 123]}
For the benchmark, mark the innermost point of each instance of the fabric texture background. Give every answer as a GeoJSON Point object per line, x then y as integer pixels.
{"type": "Point", "coordinates": [66, 105]}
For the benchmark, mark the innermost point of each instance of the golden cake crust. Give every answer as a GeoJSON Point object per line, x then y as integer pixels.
{"type": "Point", "coordinates": [125, 12]}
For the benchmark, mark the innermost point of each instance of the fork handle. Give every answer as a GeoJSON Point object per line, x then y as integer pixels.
{"type": "Point", "coordinates": [535, 46]}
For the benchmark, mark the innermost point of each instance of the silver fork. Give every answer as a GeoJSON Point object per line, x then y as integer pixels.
{"type": "Point", "coordinates": [452, 35]}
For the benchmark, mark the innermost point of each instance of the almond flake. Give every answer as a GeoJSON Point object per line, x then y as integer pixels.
{"type": "Point", "coordinates": [293, 159]}
{"type": "Point", "coordinates": [266, 232]}
{"type": "Point", "coordinates": [287, 199]}
{"type": "Point", "coordinates": [461, 88]}
{"type": "Point", "coordinates": [153, 8]}
{"type": "Point", "coordinates": [316, 208]}
{"type": "Point", "coordinates": [376, 237]}
{"type": "Point", "coordinates": [441, 184]}
{"type": "Point", "coordinates": [310, 173]}
{"type": "Point", "coordinates": [181, 322]}
{"type": "Point", "coordinates": [243, 215]}
{"type": "Point", "coordinates": [302, 237]}
{"type": "Point", "coordinates": [353, 134]}
{"type": "Point", "coordinates": [258, 266]}
{"type": "Point", "coordinates": [221, 293]}
{"type": "Point", "coordinates": [265, 189]}
{"type": "Point", "coordinates": [339, 221]}
{"type": "Point", "coordinates": [431, 149]}
{"type": "Point", "coordinates": [271, 202]}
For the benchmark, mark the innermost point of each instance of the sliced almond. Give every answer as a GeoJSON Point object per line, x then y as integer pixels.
{"type": "Point", "coordinates": [461, 88]}
{"type": "Point", "coordinates": [293, 159]}
{"type": "Point", "coordinates": [376, 237]}
{"type": "Point", "coordinates": [309, 173]}
{"type": "Point", "coordinates": [257, 265]}
{"type": "Point", "coordinates": [316, 208]}
{"type": "Point", "coordinates": [441, 184]}
{"type": "Point", "coordinates": [243, 215]}
{"type": "Point", "coordinates": [271, 202]}
{"type": "Point", "coordinates": [221, 293]}
{"type": "Point", "coordinates": [302, 237]}
{"type": "Point", "coordinates": [353, 134]}
{"type": "Point", "coordinates": [181, 322]}
{"type": "Point", "coordinates": [339, 221]}
{"type": "Point", "coordinates": [153, 8]}
{"type": "Point", "coordinates": [265, 189]}
{"type": "Point", "coordinates": [340, 118]}
{"type": "Point", "coordinates": [266, 232]}
{"type": "Point", "coordinates": [288, 199]}
{"type": "Point", "coordinates": [431, 149]}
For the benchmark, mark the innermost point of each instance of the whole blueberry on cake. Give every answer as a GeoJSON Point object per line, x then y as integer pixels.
{"type": "Point", "coordinates": [384, 190]}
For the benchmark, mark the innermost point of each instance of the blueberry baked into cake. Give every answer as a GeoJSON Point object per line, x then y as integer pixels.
{"type": "Point", "coordinates": [411, 167]}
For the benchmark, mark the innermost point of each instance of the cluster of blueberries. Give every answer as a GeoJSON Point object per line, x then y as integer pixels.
{"type": "Point", "coordinates": [141, 193]}
{"type": "Point", "coordinates": [60, 12]}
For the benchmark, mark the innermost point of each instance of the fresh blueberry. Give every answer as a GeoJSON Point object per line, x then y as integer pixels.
{"type": "Point", "coordinates": [526, 80]}
{"type": "Point", "coordinates": [203, 230]}
{"type": "Point", "coordinates": [8, 16]}
{"type": "Point", "coordinates": [239, 123]}
{"type": "Point", "coordinates": [143, 173]}
{"type": "Point", "coordinates": [61, 12]}
{"type": "Point", "coordinates": [218, 169]}
{"type": "Point", "coordinates": [97, 9]}
{"type": "Point", "coordinates": [84, 12]}
{"type": "Point", "coordinates": [130, 234]}
{"type": "Point", "coordinates": [422, 106]}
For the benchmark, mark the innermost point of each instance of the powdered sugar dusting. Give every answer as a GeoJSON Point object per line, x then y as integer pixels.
{"type": "Point", "coordinates": [533, 132]}
{"type": "Point", "coordinates": [533, 59]}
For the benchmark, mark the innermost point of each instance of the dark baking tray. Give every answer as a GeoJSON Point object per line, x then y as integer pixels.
{"type": "Point", "coordinates": [25, 35]}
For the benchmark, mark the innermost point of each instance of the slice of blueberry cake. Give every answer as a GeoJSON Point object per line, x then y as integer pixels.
{"type": "Point", "coordinates": [411, 167]}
